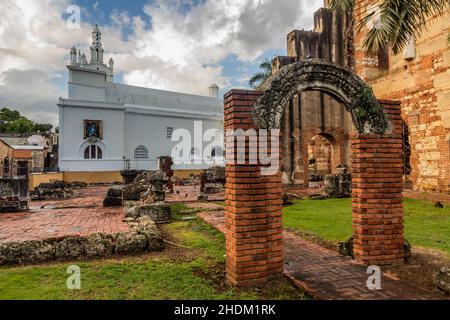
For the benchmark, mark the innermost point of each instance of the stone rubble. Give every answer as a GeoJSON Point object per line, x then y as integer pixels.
{"type": "Point", "coordinates": [158, 212]}
{"type": "Point", "coordinates": [443, 279]}
{"type": "Point", "coordinates": [144, 236]}
{"type": "Point", "coordinates": [53, 190]}
{"type": "Point", "coordinates": [114, 197]}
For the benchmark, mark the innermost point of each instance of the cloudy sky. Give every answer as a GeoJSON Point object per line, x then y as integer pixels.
{"type": "Point", "coordinates": [179, 45]}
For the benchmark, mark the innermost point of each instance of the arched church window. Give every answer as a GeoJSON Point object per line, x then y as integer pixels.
{"type": "Point", "coordinates": [93, 152]}
{"type": "Point", "coordinates": [141, 153]}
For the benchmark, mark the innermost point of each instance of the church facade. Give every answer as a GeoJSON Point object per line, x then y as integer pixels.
{"type": "Point", "coordinates": [107, 127]}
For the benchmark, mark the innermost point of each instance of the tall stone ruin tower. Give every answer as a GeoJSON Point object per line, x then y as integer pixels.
{"type": "Point", "coordinates": [315, 117]}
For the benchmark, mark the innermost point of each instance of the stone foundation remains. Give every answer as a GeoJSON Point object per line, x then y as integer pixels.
{"type": "Point", "coordinates": [144, 236]}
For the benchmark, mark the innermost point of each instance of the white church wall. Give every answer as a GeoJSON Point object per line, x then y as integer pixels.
{"type": "Point", "coordinates": [86, 93]}
{"type": "Point", "coordinates": [73, 142]}
{"type": "Point", "coordinates": [87, 78]}
{"type": "Point", "coordinates": [151, 131]}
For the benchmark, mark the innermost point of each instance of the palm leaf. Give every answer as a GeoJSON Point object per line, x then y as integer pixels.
{"type": "Point", "coordinates": [342, 6]}
{"type": "Point", "coordinates": [258, 78]}
{"type": "Point", "coordinates": [400, 20]}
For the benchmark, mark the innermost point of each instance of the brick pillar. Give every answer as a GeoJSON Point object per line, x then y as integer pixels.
{"type": "Point", "coordinates": [253, 205]}
{"type": "Point", "coordinates": [377, 193]}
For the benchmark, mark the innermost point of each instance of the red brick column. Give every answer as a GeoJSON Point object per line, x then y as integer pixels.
{"type": "Point", "coordinates": [253, 204]}
{"type": "Point", "coordinates": [377, 170]}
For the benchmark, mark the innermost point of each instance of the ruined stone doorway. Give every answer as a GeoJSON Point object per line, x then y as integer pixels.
{"type": "Point", "coordinates": [320, 162]}
{"type": "Point", "coordinates": [254, 231]}
{"type": "Point", "coordinates": [308, 116]}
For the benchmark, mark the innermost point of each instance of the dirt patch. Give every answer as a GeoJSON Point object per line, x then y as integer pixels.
{"type": "Point", "coordinates": [422, 269]}
{"type": "Point", "coordinates": [331, 245]}
{"type": "Point", "coordinates": [215, 276]}
{"type": "Point", "coordinates": [173, 250]}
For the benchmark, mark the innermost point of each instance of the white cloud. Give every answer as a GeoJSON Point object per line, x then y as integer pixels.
{"type": "Point", "coordinates": [182, 47]}
{"type": "Point", "coordinates": [180, 51]}
{"type": "Point", "coordinates": [30, 92]}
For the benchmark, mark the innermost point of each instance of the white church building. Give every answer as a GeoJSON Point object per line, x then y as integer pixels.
{"type": "Point", "coordinates": [107, 127]}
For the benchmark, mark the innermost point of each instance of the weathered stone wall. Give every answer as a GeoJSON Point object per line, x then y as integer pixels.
{"type": "Point", "coordinates": [422, 85]}
{"type": "Point", "coordinates": [143, 236]}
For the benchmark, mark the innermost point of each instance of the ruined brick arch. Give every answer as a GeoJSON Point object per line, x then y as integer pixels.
{"type": "Point", "coordinates": [254, 227]}
{"type": "Point", "coordinates": [317, 75]}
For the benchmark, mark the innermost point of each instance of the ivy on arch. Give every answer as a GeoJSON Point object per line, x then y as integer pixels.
{"type": "Point", "coordinates": [317, 75]}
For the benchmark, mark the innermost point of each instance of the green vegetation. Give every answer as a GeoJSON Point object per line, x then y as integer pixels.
{"type": "Point", "coordinates": [264, 73]}
{"type": "Point", "coordinates": [191, 269]}
{"type": "Point", "coordinates": [425, 225]}
{"type": "Point", "coordinates": [12, 122]}
{"type": "Point", "coordinates": [393, 23]}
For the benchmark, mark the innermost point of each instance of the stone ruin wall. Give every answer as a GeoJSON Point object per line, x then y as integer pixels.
{"type": "Point", "coordinates": [314, 113]}
{"type": "Point", "coordinates": [423, 87]}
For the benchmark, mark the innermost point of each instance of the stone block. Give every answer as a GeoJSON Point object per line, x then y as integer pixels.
{"type": "Point", "coordinates": [115, 192]}
{"type": "Point", "coordinates": [112, 202]}
{"type": "Point", "coordinates": [158, 212]}
{"type": "Point", "coordinates": [26, 252]}
{"type": "Point", "coordinates": [148, 228]}
{"type": "Point", "coordinates": [70, 248]}
{"type": "Point", "coordinates": [130, 242]}
{"type": "Point", "coordinates": [99, 245]}
{"type": "Point", "coordinates": [443, 279]}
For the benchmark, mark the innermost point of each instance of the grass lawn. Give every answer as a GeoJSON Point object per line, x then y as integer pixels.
{"type": "Point", "coordinates": [192, 270]}
{"type": "Point", "coordinates": [425, 225]}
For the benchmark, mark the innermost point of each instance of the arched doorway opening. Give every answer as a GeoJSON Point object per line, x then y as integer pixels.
{"type": "Point", "coordinates": [320, 162]}
{"type": "Point", "coordinates": [254, 200]}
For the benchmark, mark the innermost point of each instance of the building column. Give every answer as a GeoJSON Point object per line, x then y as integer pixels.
{"type": "Point", "coordinates": [377, 180]}
{"type": "Point", "coordinates": [286, 146]}
{"type": "Point", "coordinates": [298, 176]}
{"type": "Point", "coordinates": [253, 211]}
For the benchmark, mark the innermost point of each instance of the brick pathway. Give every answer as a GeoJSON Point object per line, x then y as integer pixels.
{"type": "Point", "coordinates": [327, 275]}
{"type": "Point", "coordinates": [80, 215]}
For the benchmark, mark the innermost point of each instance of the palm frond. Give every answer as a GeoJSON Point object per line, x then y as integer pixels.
{"type": "Point", "coordinates": [258, 78]}
{"type": "Point", "coordinates": [266, 66]}
{"type": "Point", "coordinates": [399, 21]}
{"type": "Point", "coordinates": [342, 6]}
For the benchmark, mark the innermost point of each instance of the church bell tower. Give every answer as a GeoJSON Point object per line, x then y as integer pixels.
{"type": "Point", "coordinates": [96, 47]}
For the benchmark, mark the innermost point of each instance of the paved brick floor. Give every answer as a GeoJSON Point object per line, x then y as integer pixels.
{"type": "Point", "coordinates": [80, 215]}
{"type": "Point", "coordinates": [327, 275]}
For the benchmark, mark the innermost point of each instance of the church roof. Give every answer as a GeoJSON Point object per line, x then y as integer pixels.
{"type": "Point", "coordinates": [146, 97]}
{"type": "Point", "coordinates": [20, 143]}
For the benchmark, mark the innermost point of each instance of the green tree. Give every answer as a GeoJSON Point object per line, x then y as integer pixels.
{"type": "Point", "coordinates": [7, 115]}
{"type": "Point", "coordinates": [397, 21]}
{"type": "Point", "coordinates": [42, 128]}
{"type": "Point", "coordinates": [21, 125]}
{"type": "Point", "coordinates": [12, 122]}
{"type": "Point", "coordinates": [265, 73]}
